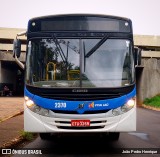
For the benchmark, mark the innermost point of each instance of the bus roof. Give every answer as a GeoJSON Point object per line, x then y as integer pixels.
{"type": "Point", "coordinates": [80, 15]}
{"type": "Point", "coordinates": [80, 22]}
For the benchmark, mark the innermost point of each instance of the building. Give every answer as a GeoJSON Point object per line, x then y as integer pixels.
{"type": "Point", "coordinates": [11, 74]}
{"type": "Point", "coordinates": [148, 74]}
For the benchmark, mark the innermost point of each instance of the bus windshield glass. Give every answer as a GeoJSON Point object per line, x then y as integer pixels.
{"type": "Point", "coordinates": [67, 62]}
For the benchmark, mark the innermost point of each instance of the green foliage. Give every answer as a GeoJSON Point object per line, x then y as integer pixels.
{"type": "Point", "coordinates": [27, 135]}
{"type": "Point", "coordinates": [155, 101]}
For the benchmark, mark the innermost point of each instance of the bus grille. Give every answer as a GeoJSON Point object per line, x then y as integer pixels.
{"type": "Point", "coordinates": [79, 97]}
{"type": "Point", "coordinates": [93, 125]}
{"type": "Point", "coordinates": [85, 112]}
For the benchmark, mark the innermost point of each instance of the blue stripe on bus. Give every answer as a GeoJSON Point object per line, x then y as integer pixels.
{"type": "Point", "coordinates": [80, 106]}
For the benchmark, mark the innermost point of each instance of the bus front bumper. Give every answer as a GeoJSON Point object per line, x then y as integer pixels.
{"type": "Point", "coordinates": [34, 122]}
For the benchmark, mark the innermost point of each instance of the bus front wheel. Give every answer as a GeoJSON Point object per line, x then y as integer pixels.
{"type": "Point", "coordinates": [45, 136]}
{"type": "Point", "coordinates": [114, 136]}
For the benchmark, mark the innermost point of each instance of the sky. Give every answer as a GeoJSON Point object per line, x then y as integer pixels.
{"type": "Point", "coordinates": [145, 14]}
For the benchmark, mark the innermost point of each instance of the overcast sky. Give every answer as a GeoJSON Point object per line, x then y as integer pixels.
{"type": "Point", "coordinates": [145, 14]}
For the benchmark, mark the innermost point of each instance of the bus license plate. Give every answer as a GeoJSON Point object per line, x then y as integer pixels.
{"type": "Point", "coordinates": [80, 123]}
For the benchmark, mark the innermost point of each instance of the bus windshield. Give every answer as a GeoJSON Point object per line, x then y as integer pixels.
{"type": "Point", "coordinates": [67, 62]}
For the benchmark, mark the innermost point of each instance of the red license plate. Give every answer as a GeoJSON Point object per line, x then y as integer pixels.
{"type": "Point", "coordinates": [80, 123]}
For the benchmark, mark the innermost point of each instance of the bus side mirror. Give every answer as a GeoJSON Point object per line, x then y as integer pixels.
{"type": "Point", "coordinates": [137, 56]}
{"type": "Point", "coordinates": [16, 48]}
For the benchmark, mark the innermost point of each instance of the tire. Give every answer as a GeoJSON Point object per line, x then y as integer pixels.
{"type": "Point", "coordinates": [114, 136]}
{"type": "Point", "coordinates": [45, 136]}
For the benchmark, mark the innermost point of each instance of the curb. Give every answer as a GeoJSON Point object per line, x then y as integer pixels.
{"type": "Point", "coordinates": [16, 114]}
{"type": "Point", "coordinates": [150, 107]}
{"type": "Point", "coordinates": [13, 143]}
{"type": "Point", "coordinates": [16, 140]}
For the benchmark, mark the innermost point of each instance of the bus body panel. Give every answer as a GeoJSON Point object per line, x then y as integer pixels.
{"type": "Point", "coordinates": [122, 123]}
{"type": "Point", "coordinates": [83, 52]}
{"type": "Point", "coordinates": [100, 122]}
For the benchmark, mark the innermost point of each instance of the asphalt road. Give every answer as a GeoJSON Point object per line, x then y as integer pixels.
{"type": "Point", "coordinates": [144, 139]}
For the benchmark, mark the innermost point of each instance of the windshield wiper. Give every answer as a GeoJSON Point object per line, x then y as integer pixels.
{"type": "Point", "coordinates": [59, 48]}
{"type": "Point", "coordinates": [97, 46]}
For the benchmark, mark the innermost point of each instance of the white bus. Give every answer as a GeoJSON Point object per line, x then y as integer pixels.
{"type": "Point", "coordinates": [79, 75]}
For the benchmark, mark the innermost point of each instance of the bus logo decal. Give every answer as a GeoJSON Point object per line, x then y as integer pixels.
{"type": "Point", "coordinates": [91, 105]}
{"type": "Point", "coordinates": [79, 90]}
{"type": "Point", "coordinates": [80, 106]}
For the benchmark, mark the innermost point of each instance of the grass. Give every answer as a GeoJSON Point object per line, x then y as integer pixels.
{"type": "Point", "coordinates": [27, 135]}
{"type": "Point", "coordinates": [153, 102]}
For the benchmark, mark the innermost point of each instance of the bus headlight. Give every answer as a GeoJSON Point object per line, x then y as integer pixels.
{"type": "Point", "coordinates": [116, 112]}
{"type": "Point", "coordinates": [35, 108]}
{"type": "Point", "coordinates": [29, 103]}
{"type": "Point", "coordinates": [125, 108]}
{"type": "Point", "coordinates": [129, 105]}
{"type": "Point", "coordinates": [45, 112]}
